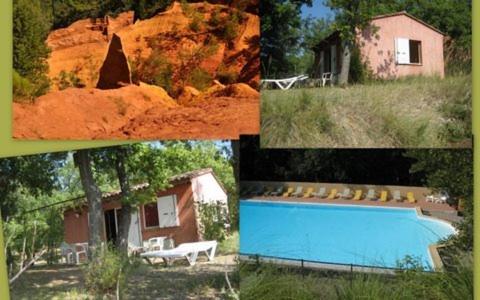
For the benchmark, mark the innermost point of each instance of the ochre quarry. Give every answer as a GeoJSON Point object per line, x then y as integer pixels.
{"type": "Point", "coordinates": [187, 72]}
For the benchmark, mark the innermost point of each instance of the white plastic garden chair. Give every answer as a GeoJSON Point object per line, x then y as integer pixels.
{"type": "Point", "coordinates": [156, 243]}
{"type": "Point", "coordinates": [67, 252]}
{"type": "Point", "coordinates": [327, 77]}
{"type": "Point", "coordinates": [80, 248]}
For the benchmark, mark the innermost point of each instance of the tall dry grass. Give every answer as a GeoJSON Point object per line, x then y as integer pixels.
{"type": "Point", "coordinates": [410, 112]}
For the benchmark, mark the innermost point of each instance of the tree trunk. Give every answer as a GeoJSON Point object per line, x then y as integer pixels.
{"type": "Point", "coordinates": [126, 211]}
{"type": "Point", "coordinates": [346, 57]}
{"type": "Point", "coordinates": [94, 198]}
{"type": "Point", "coordinates": [235, 144]}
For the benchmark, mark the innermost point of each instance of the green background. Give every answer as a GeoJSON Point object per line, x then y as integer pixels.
{"type": "Point", "coordinates": [9, 147]}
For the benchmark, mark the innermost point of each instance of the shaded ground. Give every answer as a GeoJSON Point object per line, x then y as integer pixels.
{"type": "Point", "coordinates": [206, 280]}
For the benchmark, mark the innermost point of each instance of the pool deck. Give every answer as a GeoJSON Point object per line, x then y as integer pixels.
{"type": "Point", "coordinates": [436, 210]}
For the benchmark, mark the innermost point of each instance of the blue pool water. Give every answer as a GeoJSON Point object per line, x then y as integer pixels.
{"type": "Point", "coordinates": [345, 234]}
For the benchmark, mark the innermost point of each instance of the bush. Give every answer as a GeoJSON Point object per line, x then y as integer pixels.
{"type": "Point", "coordinates": [196, 23]}
{"type": "Point", "coordinates": [226, 76]}
{"type": "Point", "coordinates": [199, 79]}
{"type": "Point", "coordinates": [104, 272]}
{"type": "Point", "coordinates": [27, 90]}
{"type": "Point", "coordinates": [215, 19]}
{"type": "Point", "coordinates": [23, 89]}
{"type": "Point", "coordinates": [68, 79]}
{"type": "Point", "coordinates": [359, 71]}
{"type": "Point", "coordinates": [230, 28]}
{"type": "Point", "coordinates": [213, 220]}
{"type": "Point", "coordinates": [156, 70]}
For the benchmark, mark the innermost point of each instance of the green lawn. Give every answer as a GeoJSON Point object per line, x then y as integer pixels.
{"type": "Point", "coordinates": [411, 112]}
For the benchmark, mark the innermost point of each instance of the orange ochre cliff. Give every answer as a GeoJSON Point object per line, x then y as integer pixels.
{"type": "Point", "coordinates": [136, 80]}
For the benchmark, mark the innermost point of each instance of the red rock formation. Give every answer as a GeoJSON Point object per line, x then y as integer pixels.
{"type": "Point", "coordinates": [115, 71]}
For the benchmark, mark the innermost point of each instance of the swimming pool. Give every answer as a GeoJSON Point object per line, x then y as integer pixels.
{"type": "Point", "coordinates": [338, 234]}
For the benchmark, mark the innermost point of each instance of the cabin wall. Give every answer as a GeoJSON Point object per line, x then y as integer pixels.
{"type": "Point", "coordinates": [76, 221]}
{"type": "Point", "coordinates": [378, 47]}
{"type": "Point", "coordinates": [187, 230]}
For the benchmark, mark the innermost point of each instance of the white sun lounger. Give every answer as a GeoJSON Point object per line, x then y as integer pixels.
{"type": "Point", "coordinates": [286, 83]}
{"type": "Point", "coordinates": [189, 251]}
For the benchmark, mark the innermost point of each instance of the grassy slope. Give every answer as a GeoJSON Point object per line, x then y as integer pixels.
{"type": "Point", "coordinates": [413, 112]}
{"type": "Point", "coordinates": [268, 282]}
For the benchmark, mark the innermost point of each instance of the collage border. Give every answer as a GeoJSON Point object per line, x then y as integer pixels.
{"type": "Point", "coordinates": [9, 147]}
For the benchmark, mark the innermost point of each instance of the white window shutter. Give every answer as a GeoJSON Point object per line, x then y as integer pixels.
{"type": "Point", "coordinates": [167, 211]}
{"type": "Point", "coordinates": [402, 49]}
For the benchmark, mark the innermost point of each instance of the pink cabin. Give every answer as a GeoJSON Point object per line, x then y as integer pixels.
{"type": "Point", "coordinates": [173, 214]}
{"type": "Point", "coordinates": [395, 45]}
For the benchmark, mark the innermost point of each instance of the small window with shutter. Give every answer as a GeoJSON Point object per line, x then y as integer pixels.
{"type": "Point", "coordinates": [408, 51]}
{"type": "Point", "coordinates": [163, 213]}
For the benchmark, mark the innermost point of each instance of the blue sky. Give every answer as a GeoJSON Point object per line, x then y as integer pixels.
{"type": "Point", "coordinates": [318, 10]}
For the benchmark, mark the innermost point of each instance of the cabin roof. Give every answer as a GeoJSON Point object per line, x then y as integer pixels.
{"type": "Point", "coordinates": [336, 34]}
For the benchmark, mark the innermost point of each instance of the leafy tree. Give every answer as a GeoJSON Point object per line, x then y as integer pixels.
{"type": "Point", "coordinates": [280, 34]}
{"type": "Point", "coordinates": [350, 17]}
{"type": "Point", "coordinates": [34, 175]}
{"type": "Point", "coordinates": [30, 52]}
{"type": "Point", "coordinates": [450, 170]}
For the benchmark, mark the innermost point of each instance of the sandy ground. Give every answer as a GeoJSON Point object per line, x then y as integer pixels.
{"type": "Point", "coordinates": [103, 115]}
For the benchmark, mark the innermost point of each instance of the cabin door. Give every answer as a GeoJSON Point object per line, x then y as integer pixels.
{"type": "Point", "coordinates": [333, 57]}
{"type": "Point", "coordinates": [111, 226]}
{"type": "Point", "coordinates": [167, 211]}
{"type": "Point", "coordinates": [326, 62]}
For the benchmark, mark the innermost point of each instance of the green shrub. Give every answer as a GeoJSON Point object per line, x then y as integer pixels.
{"type": "Point", "coordinates": [199, 79]}
{"type": "Point", "coordinates": [215, 19]}
{"type": "Point", "coordinates": [23, 89]}
{"type": "Point", "coordinates": [359, 71]}
{"type": "Point", "coordinates": [68, 79]}
{"type": "Point", "coordinates": [458, 113]}
{"type": "Point", "coordinates": [226, 76]}
{"type": "Point", "coordinates": [230, 28]}
{"type": "Point", "coordinates": [156, 70]}
{"type": "Point", "coordinates": [213, 219]}
{"type": "Point", "coordinates": [104, 272]}
{"type": "Point", "coordinates": [26, 90]}
{"type": "Point", "coordinates": [196, 23]}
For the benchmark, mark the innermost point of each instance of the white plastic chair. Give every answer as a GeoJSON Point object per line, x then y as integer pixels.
{"type": "Point", "coordinates": [156, 243]}
{"type": "Point", "coordinates": [327, 77]}
{"type": "Point", "coordinates": [67, 252]}
{"type": "Point", "coordinates": [80, 248]}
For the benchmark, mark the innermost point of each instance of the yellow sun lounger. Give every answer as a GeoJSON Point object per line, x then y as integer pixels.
{"type": "Point", "coordinates": [288, 192]}
{"type": "Point", "coordinates": [333, 194]}
{"type": "Point", "coordinates": [411, 198]}
{"type": "Point", "coordinates": [308, 193]}
{"type": "Point", "coordinates": [383, 196]}
{"type": "Point", "coordinates": [358, 195]}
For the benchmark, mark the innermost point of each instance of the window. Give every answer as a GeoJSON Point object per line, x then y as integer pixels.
{"type": "Point", "coordinates": [151, 215]}
{"type": "Point", "coordinates": [415, 52]}
{"type": "Point", "coordinates": [163, 213]}
{"type": "Point", "coordinates": [408, 51]}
